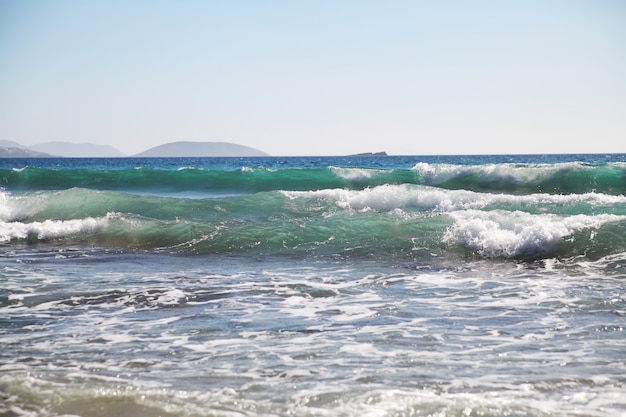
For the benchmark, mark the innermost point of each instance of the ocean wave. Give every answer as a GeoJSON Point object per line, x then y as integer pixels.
{"type": "Point", "coordinates": [490, 234]}
{"type": "Point", "coordinates": [313, 286]}
{"type": "Point", "coordinates": [406, 198]}
{"type": "Point", "coordinates": [566, 177]}
{"type": "Point", "coordinates": [497, 172]}
{"type": "Point", "coordinates": [51, 229]}
{"type": "Point", "coordinates": [513, 234]}
{"type": "Point", "coordinates": [356, 174]}
{"type": "Point", "coordinates": [387, 198]}
{"type": "Point", "coordinates": [560, 178]}
{"type": "Point", "coordinates": [390, 221]}
{"type": "Point", "coordinates": [15, 207]}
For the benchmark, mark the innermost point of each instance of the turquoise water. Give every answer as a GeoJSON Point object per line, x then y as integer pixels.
{"type": "Point", "coordinates": [378, 286]}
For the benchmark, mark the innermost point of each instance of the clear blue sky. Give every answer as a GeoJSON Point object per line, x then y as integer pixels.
{"type": "Point", "coordinates": [317, 77]}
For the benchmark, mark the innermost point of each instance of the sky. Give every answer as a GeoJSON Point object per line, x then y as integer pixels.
{"type": "Point", "coordinates": [320, 77]}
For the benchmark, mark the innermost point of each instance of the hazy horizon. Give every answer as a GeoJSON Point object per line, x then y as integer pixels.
{"type": "Point", "coordinates": [37, 147]}
{"type": "Point", "coordinates": [323, 78]}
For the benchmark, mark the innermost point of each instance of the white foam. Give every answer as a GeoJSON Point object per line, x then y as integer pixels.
{"type": "Point", "coordinates": [437, 173]}
{"type": "Point", "coordinates": [354, 174]}
{"type": "Point", "coordinates": [172, 296]}
{"type": "Point", "coordinates": [14, 207]}
{"type": "Point", "coordinates": [50, 229]}
{"type": "Point", "coordinates": [391, 197]}
{"type": "Point", "coordinates": [508, 234]}
{"type": "Point", "coordinates": [252, 169]}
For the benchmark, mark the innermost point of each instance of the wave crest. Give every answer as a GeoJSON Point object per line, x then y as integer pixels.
{"type": "Point", "coordinates": [51, 229]}
{"type": "Point", "coordinates": [512, 234]}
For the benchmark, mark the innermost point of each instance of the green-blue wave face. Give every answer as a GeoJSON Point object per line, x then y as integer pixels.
{"type": "Point", "coordinates": [562, 178]}
{"type": "Point", "coordinates": [400, 222]}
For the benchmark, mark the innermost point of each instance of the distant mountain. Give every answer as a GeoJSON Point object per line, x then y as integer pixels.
{"type": "Point", "coordinates": [199, 149]}
{"type": "Point", "coordinates": [10, 144]}
{"type": "Point", "coordinates": [10, 149]}
{"type": "Point", "coordinates": [77, 150]}
{"type": "Point", "coordinates": [17, 152]}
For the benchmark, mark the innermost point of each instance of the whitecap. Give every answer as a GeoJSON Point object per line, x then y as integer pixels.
{"type": "Point", "coordinates": [354, 174]}
{"type": "Point", "coordinates": [438, 173]}
{"type": "Point", "coordinates": [388, 198]}
{"type": "Point", "coordinates": [50, 229]}
{"type": "Point", "coordinates": [510, 234]}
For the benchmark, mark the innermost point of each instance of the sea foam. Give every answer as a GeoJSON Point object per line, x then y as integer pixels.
{"type": "Point", "coordinates": [18, 207]}
{"type": "Point", "coordinates": [354, 174]}
{"type": "Point", "coordinates": [510, 234]}
{"type": "Point", "coordinates": [390, 197]}
{"type": "Point", "coordinates": [50, 229]}
{"type": "Point", "coordinates": [437, 173]}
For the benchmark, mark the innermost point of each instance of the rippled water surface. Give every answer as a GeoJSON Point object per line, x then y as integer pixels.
{"type": "Point", "coordinates": [162, 335]}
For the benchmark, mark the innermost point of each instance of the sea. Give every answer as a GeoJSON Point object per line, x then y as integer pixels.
{"type": "Point", "coordinates": [437, 286]}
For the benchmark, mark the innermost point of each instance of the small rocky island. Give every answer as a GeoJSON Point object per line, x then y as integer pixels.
{"type": "Point", "coordinates": [371, 154]}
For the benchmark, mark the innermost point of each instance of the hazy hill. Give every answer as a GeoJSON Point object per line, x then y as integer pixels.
{"type": "Point", "coordinates": [10, 149]}
{"type": "Point", "coordinates": [199, 149]}
{"type": "Point", "coordinates": [10, 144]}
{"type": "Point", "coordinates": [18, 152]}
{"type": "Point", "coordinates": [77, 150]}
